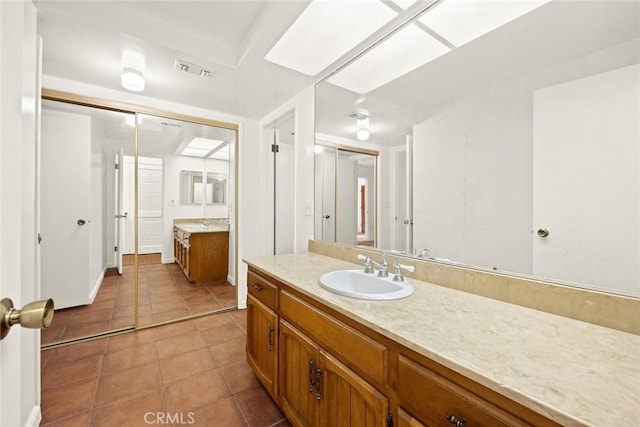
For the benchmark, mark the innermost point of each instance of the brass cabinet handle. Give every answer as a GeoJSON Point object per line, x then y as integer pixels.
{"type": "Point", "coordinates": [458, 422]}
{"type": "Point", "coordinates": [311, 382]}
{"type": "Point", "coordinates": [257, 287]}
{"type": "Point", "coordinates": [318, 391]}
{"type": "Point", "coordinates": [270, 330]}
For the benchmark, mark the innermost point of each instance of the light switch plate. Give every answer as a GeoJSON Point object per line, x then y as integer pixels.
{"type": "Point", "coordinates": [308, 208]}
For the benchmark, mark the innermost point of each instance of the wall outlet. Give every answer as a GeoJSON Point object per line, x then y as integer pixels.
{"type": "Point", "coordinates": [308, 208]}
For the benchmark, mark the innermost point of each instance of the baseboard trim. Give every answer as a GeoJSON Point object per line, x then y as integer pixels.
{"type": "Point", "coordinates": [35, 417]}
{"type": "Point", "coordinates": [96, 287]}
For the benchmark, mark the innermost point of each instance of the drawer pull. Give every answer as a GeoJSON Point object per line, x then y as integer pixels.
{"type": "Point", "coordinates": [311, 382]}
{"type": "Point", "coordinates": [318, 391]}
{"type": "Point", "coordinates": [257, 287]}
{"type": "Point", "coordinates": [458, 422]}
{"type": "Point", "coordinates": [270, 329]}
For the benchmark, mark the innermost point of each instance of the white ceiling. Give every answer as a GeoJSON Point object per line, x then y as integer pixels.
{"type": "Point", "coordinates": [84, 41]}
{"type": "Point", "coordinates": [555, 33]}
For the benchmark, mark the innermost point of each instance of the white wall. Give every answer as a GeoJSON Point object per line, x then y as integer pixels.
{"type": "Point", "coordinates": [473, 167]}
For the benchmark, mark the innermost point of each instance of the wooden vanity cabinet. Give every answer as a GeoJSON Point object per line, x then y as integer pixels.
{"type": "Point", "coordinates": [406, 420]}
{"type": "Point", "coordinates": [316, 389]}
{"type": "Point", "coordinates": [262, 331]}
{"type": "Point", "coordinates": [262, 343]}
{"type": "Point", "coordinates": [203, 257]}
{"type": "Point", "coordinates": [333, 371]}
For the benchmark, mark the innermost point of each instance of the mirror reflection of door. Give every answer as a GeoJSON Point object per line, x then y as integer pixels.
{"type": "Point", "coordinates": [79, 198]}
{"type": "Point", "coordinates": [345, 196]}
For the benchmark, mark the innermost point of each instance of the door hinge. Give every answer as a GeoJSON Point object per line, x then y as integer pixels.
{"type": "Point", "coordinates": [117, 166]}
{"type": "Point", "coordinates": [39, 238]}
{"type": "Point", "coordinates": [275, 148]}
{"type": "Point", "coordinates": [389, 420]}
{"type": "Point", "coordinates": [115, 249]}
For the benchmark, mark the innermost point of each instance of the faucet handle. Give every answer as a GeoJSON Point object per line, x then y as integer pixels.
{"type": "Point", "coordinates": [397, 275]}
{"type": "Point", "coordinates": [368, 269]}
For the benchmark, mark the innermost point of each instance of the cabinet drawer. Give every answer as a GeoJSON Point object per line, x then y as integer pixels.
{"type": "Point", "coordinates": [432, 398]}
{"type": "Point", "coordinates": [361, 353]}
{"type": "Point", "coordinates": [262, 289]}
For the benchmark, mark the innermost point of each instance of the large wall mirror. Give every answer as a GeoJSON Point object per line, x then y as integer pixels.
{"type": "Point", "coordinates": [512, 145]}
{"type": "Point", "coordinates": [112, 193]}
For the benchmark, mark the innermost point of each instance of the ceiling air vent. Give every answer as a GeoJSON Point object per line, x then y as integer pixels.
{"type": "Point", "coordinates": [191, 68]}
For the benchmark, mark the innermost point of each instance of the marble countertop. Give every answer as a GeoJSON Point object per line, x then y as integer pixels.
{"type": "Point", "coordinates": [198, 227]}
{"type": "Point", "coordinates": [572, 372]}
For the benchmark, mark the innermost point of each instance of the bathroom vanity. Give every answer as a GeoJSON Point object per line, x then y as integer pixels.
{"type": "Point", "coordinates": [201, 249]}
{"type": "Point", "coordinates": [440, 357]}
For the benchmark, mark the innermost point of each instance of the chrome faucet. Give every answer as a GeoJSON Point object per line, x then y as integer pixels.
{"type": "Point", "coordinates": [383, 266]}
{"type": "Point", "coordinates": [425, 253]}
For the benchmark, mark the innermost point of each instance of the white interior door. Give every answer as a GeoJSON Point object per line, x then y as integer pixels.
{"type": "Point", "coordinates": [587, 181]}
{"type": "Point", "coordinates": [328, 164]}
{"type": "Point", "coordinates": [150, 205]}
{"type": "Point", "coordinates": [346, 201]}
{"type": "Point", "coordinates": [65, 207]}
{"type": "Point", "coordinates": [20, 349]}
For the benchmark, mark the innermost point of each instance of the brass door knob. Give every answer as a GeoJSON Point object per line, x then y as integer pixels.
{"type": "Point", "coordinates": [35, 315]}
{"type": "Point", "coordinates": [543, 232]}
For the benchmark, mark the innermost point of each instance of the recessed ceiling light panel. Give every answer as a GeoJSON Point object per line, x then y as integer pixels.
{"type": "Point", "coordinates": [326, 30]}
{"type": "Point", "coordinates": [461, 21]}
{"type": "Point", "coordinates": [401, 53]}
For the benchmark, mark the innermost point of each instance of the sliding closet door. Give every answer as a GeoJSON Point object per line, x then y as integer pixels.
{"type": "Point", "coordinates": [79, 195]}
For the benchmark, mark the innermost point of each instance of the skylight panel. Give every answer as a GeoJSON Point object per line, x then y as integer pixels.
{"type": "Point", "coordinates": [221, 154]}
{"type": "Point", "coordinates": [406, 50]}
{"type": "Point", "coordinates": [461, 21]}
{"type": "Point", "coordinates": [326, 30]}
{"type": "Point", "coordinates": [201, 147]}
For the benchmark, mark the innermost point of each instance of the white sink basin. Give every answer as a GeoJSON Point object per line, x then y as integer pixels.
{"type": "Point", "coordinates": [356, 284]}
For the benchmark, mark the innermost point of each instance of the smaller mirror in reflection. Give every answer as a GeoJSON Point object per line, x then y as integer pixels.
{"type": "Point", "coordinates": [190, 187]}
{"type": "Point", "coordinates": [216, 193]}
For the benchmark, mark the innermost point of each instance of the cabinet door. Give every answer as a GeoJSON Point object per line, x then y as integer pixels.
{"type": "Point", "coordinates": [406, 420]}
{"type": "Point", "coordinates": [346, 399]}
{"type": "Point", "coordinates": [262, 343]}
{"type": "Point", "coordinates": [298, 367]}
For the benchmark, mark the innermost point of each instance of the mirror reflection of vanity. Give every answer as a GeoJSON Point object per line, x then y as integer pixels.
{"type": "Point", "coordinates": [515, 150]}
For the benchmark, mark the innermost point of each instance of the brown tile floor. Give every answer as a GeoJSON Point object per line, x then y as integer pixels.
{"type": "Point", "coordinates": [193, 371]}
{"type": "Point", "coordinates": [164, 294]}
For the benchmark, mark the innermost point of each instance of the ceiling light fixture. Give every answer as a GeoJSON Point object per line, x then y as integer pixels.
{"type": "Point", "coordinates": [132, 80]}
{"type": "Point", "coordinates": [362, 126]}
